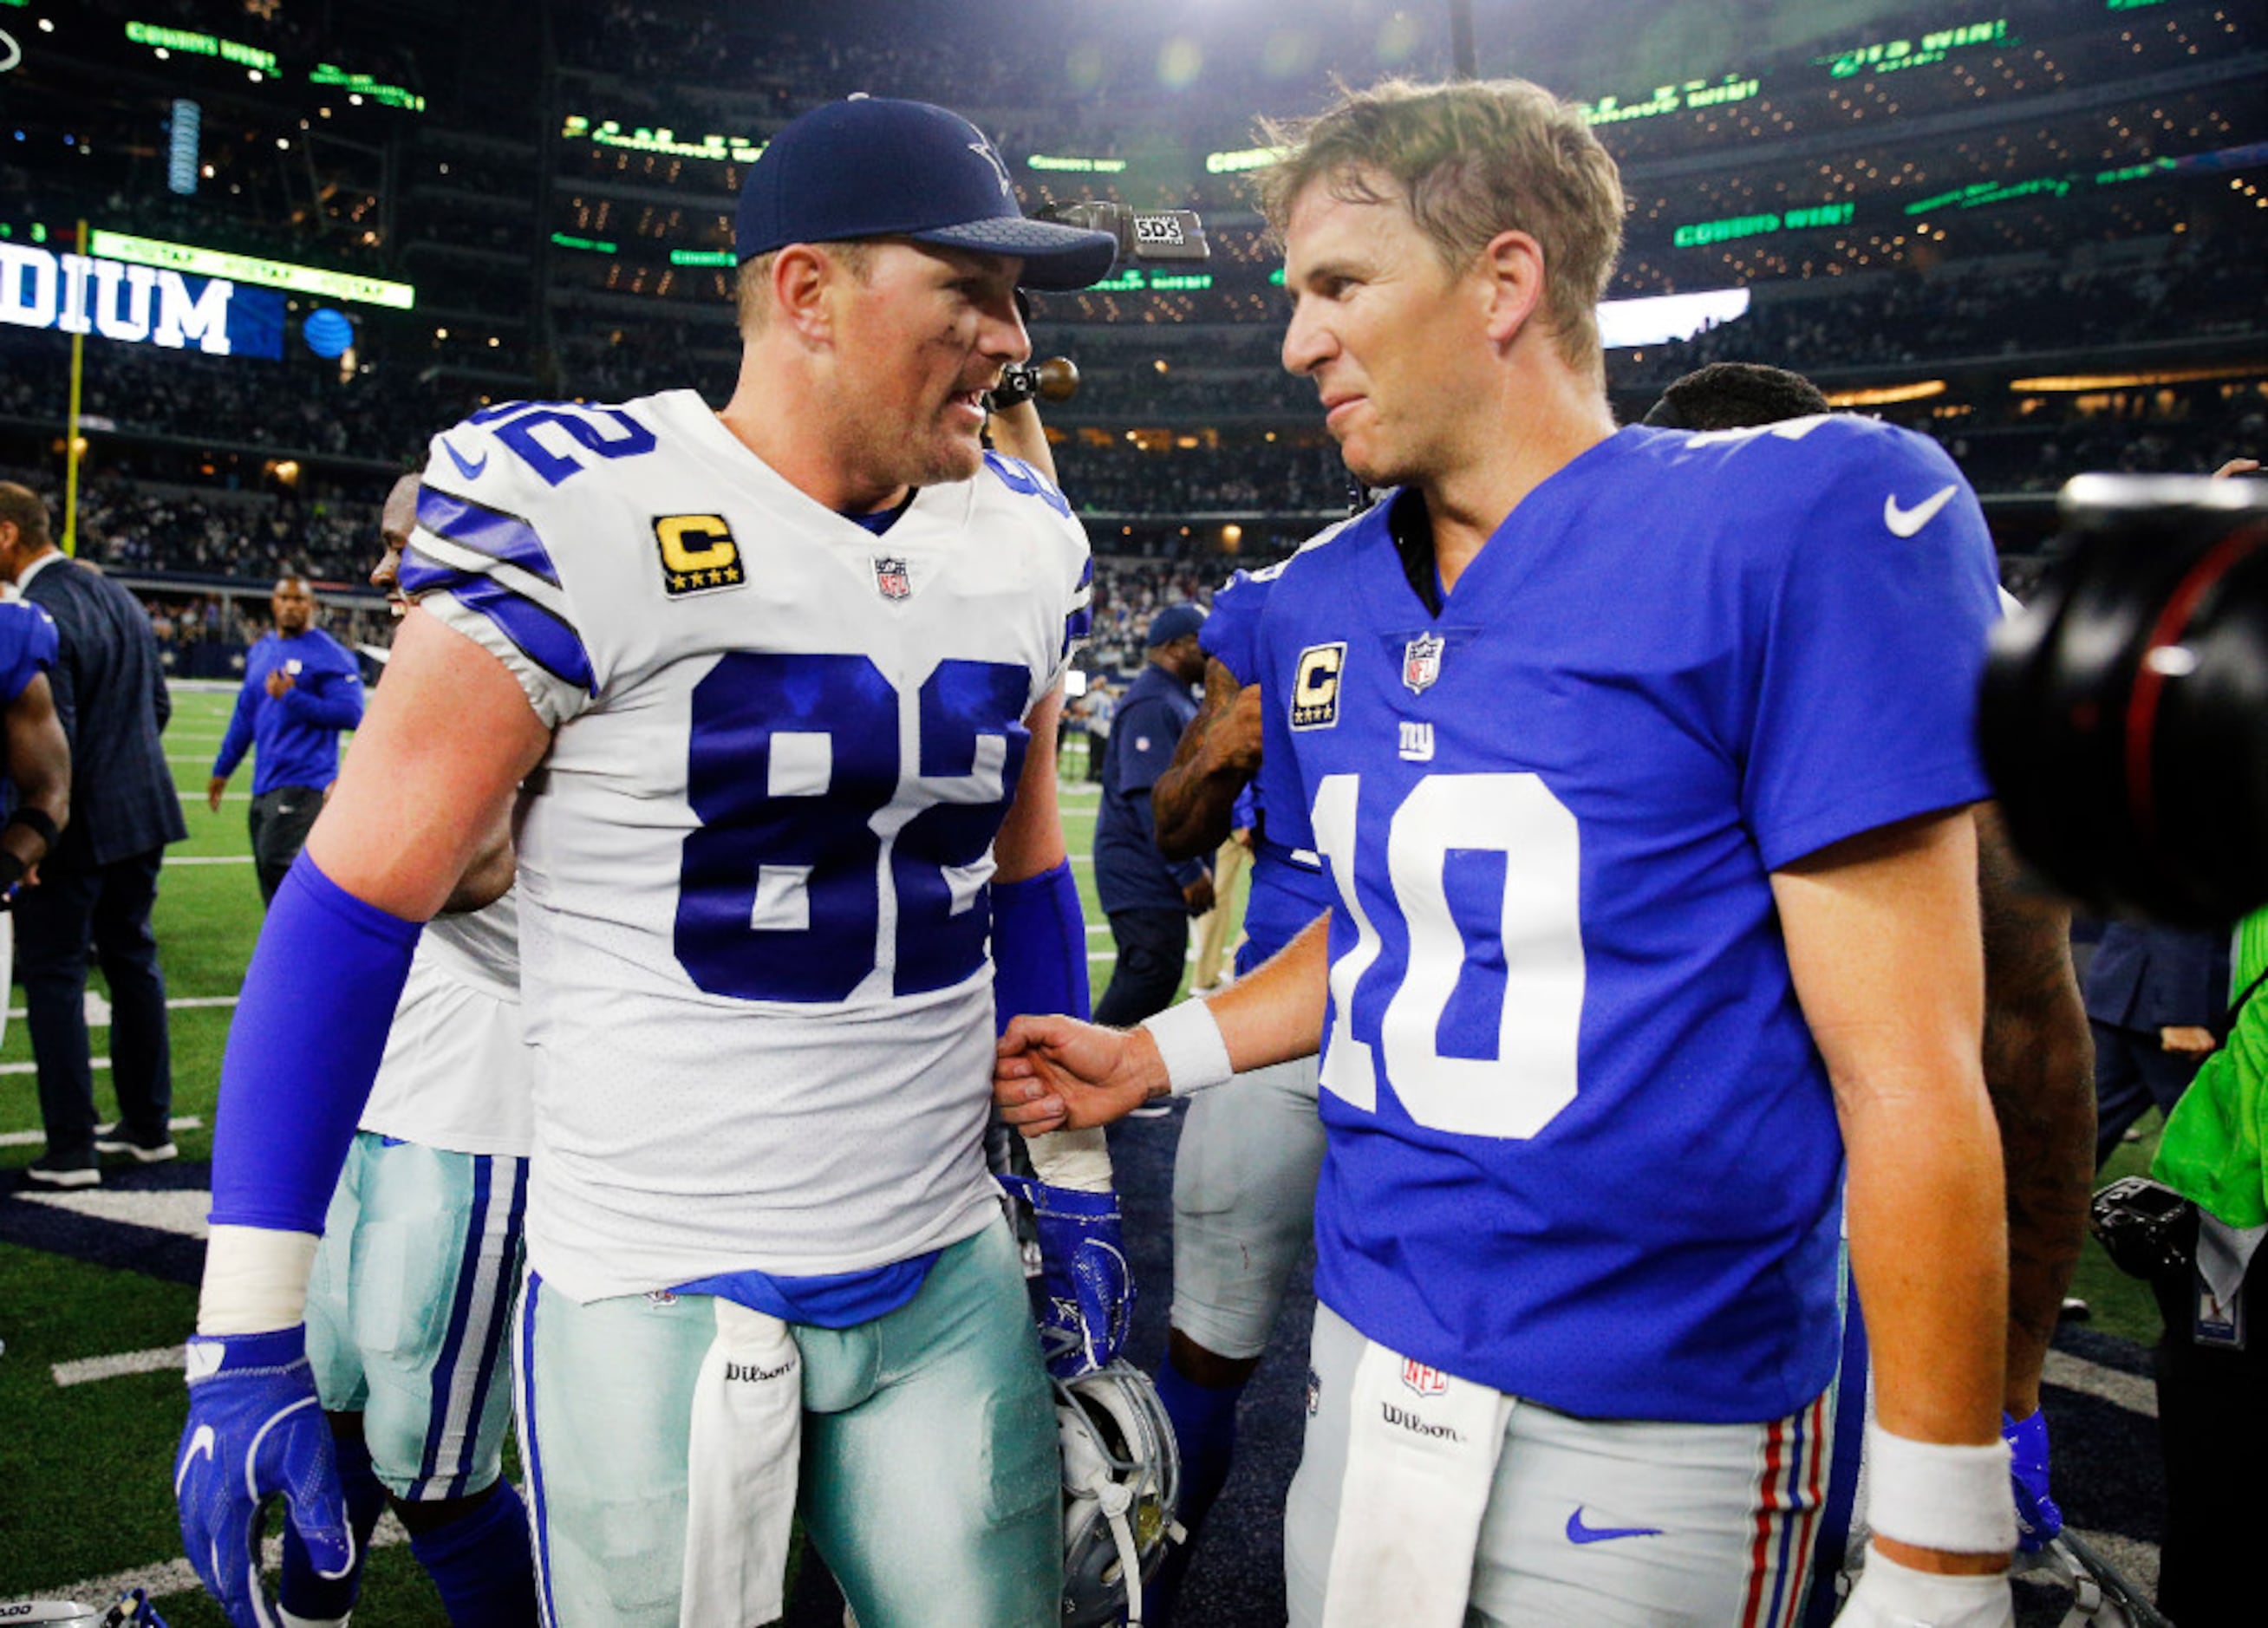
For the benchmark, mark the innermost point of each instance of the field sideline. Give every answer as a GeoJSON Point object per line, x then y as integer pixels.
{"type": "Point", "coordinates": [85, 1465]}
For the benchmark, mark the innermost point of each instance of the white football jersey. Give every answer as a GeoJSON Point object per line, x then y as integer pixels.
{"type": "Point", "coordinates": [456, 1074]}
{"type": "Point", "coordinates": [754, 868]}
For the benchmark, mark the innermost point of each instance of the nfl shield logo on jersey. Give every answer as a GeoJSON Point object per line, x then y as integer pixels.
{"type": "Point", "coordinates": [890, 577]}
{"type": "Point", "coordinates": [1425, 1380]}
{"type": "Point", "coordinates": [1421, 662]}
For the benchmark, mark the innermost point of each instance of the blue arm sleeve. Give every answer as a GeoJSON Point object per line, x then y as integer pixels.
{"type": "Point", "coordinates": [309, 1033]}
{"type": "Point", "coordinates": [332, 701]}
{"type": "Point", "coordinates": [1039, 947]}
{"type": "Point", "coordinates": [238, 740]}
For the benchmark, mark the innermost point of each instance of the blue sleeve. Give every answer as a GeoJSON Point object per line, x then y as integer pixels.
{"type": "Point", "coordinates": [237, 740]}
{"type": "Point", "coordinates": [327, 698]}
{"type": "Point", "coordinates": [1873, 649]}
{"type": "Point", "coordinates": [309, 1033]}
{"type": "Point", "coordinates": [1276, 787]}
{"type": "Point", "coordinates": [1230, 630]}
{"type": "Point", "coordinates": [1039, 947]}
{"type": "Point", "coordinates": [27, 646]}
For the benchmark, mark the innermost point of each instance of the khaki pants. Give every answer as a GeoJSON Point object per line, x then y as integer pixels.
{"type": "Point", "coordinates": [1228, 865]}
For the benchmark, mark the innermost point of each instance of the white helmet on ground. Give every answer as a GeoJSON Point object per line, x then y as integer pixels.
{"type": "Point", "coordinates": [1122, 1476]}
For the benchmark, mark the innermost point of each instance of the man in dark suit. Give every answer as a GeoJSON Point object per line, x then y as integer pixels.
{"type": "Point", "coordinates": [2154, 996]}
{"type": "Point", "coordinates": [99, 884]}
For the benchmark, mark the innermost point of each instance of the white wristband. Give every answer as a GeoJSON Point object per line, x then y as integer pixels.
{"type": "Point", "coordinates": [1190, 1045]}
{"type": "Point", "coordinates": [1078, 1159]}
{"type": "Point", "coordinates": [255, 1280]}
{"type": "Point", "coordinates": [1938, 1495]}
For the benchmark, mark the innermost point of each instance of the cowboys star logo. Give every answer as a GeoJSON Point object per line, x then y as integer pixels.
{"type": "Point", "coordinates": [983, 150]}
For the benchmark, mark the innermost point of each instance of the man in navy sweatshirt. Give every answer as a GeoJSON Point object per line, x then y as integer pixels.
{"type": "Point", "coordinates": [302, 691]}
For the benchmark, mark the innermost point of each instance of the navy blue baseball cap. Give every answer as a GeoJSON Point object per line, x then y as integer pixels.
{"type": "Point", "coordinates": [872, 167]}
{"type": "Point", "coordinates": [1175, 621]}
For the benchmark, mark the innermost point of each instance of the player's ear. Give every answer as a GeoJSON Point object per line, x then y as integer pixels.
{"type": "Point", "coordinates": [1510, 269]}
{"type": "Point", "coordinates": [801, 275]}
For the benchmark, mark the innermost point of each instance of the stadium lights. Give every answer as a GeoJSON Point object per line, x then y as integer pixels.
{"type": "Point", "coordinates": [1886, 395]}
{"type": "Point", "coordinates": [1624, 323]}
{"type": "Point", "coordinates": [2063, 383]}
{"type": "Point", "coordinates": [248, 269]}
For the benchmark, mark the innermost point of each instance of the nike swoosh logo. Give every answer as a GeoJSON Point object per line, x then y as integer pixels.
{"type": "Point", "coordinates": [201, 1442]}
{"type": "Point", "coordinates": [472, 471]}
{"type": "Point", "coordinates": [1901, 522]}
{"type": "Point", "coordinates": [1578, 1532]}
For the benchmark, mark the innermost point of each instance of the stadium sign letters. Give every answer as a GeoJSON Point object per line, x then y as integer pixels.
{"type": "Point", "coordinates": [136, 304]}
{"type": "Point", "coordinates": [665, 141]}
{"type": "Point", "coordinates": [1700, 233]}
{"type": "Point", "coordinates": [1094, 167]}
{"type": "Point", "coordinates": [1671, 99]}
{"type": "Point", "coordinates": [250, 269]}
{"type": "Point", "coordinates": [1892, 55]}
{"type": "Point", "coordinates": [200, 45]}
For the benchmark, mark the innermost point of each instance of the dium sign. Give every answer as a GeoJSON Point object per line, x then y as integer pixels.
{"type": "Point", "coordinates": [137, 304]}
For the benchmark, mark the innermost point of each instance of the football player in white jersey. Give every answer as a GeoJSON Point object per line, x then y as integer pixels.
{"type": "Point", "coordinates": [783, 681]}
{"type": "Point", "coordinates": [1641, 763]}
{"type": "Point", "coordinates": [409, 1308]}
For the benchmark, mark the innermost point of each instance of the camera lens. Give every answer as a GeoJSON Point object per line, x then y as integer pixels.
{"type": "Point", "coordinates": [2125, 712]}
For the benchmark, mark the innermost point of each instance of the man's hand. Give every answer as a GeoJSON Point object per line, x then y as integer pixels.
{"type": "Point", "coordinates": [1890, 1595]}
{"type": "Point", "coordinates": [1054, 1073]}
{"type": "Point", "coordinates": [214, 787]}
{"type": "Point", "coordinates": [278, 683]}
{"type": "Point", "coordinates": [1083, 1272]}
{"type": "Point", "coordinates": [2038, 1522]}
{"type": "Point", "coordinates": [2186, 1040]}
{"type": "Point", "coordinates": [1197, 898]}
{"type": "Point", "coordinates": [255, 1433]}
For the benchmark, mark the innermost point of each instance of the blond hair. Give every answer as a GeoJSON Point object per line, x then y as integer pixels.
{"type": "Point", "coordinates": [1470, 161]}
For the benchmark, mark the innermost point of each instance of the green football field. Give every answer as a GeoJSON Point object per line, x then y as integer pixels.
{"type": "Point", "coordinates": [85, 1501]}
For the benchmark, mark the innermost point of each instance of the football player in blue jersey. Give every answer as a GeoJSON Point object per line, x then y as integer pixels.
{"type": "Point", "coordinates": [791, 672]}
{"type": "Point", "coordinates": [2037, 1068]}
{"type": "Point", "coordinates": [1641, 763]}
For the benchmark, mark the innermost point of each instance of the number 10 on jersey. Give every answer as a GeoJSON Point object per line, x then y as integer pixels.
{"type": "Point", "coordinates": [1473, 988]}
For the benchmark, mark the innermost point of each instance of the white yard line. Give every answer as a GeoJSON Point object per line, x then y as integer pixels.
{"type": "Point", "coordinates": [34, 1138]}
{"type": "Point", "coordinates": [98, 1011]}
{"type": "Point", "coordinates": [89, 1369]}
{"type": "Point", "coordinates": [211, 858]}
{"type": "Point", "coordinates": [166, 1578]}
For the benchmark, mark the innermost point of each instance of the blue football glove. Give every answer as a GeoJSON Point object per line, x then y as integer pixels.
{"type": "Point", "coordinates": [256, 1432]}
{"type": "Point", "coordinates": [2038, 1522]}
{"type": "Point", "coordinates": [1083, 1273]}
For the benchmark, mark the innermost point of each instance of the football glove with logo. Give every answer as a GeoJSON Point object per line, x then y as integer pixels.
{"type": "Point", "coordinates": [255, 1434]}
{"type": "Point", "coordinates": [2038, 1522]}
{"type": "Point", "coordinates": [1083, 1273]}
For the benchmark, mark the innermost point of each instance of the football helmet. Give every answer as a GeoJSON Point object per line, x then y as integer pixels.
{"type": "Point", "coordinates": [1121, 1484]}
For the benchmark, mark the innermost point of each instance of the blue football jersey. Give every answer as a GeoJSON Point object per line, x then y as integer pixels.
{"type": "Point", "coordinates": [28, 645]}
{"type": "Point", "coordinates": [1288, 889]}
{"type": "Point", "coordinates": [1582, 1146]}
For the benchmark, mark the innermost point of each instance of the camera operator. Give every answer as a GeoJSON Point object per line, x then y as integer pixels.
{"type": "Point", "coordinates": [2212, 1365]}
{"type": "Point", "coordinates": [2122, 725]}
